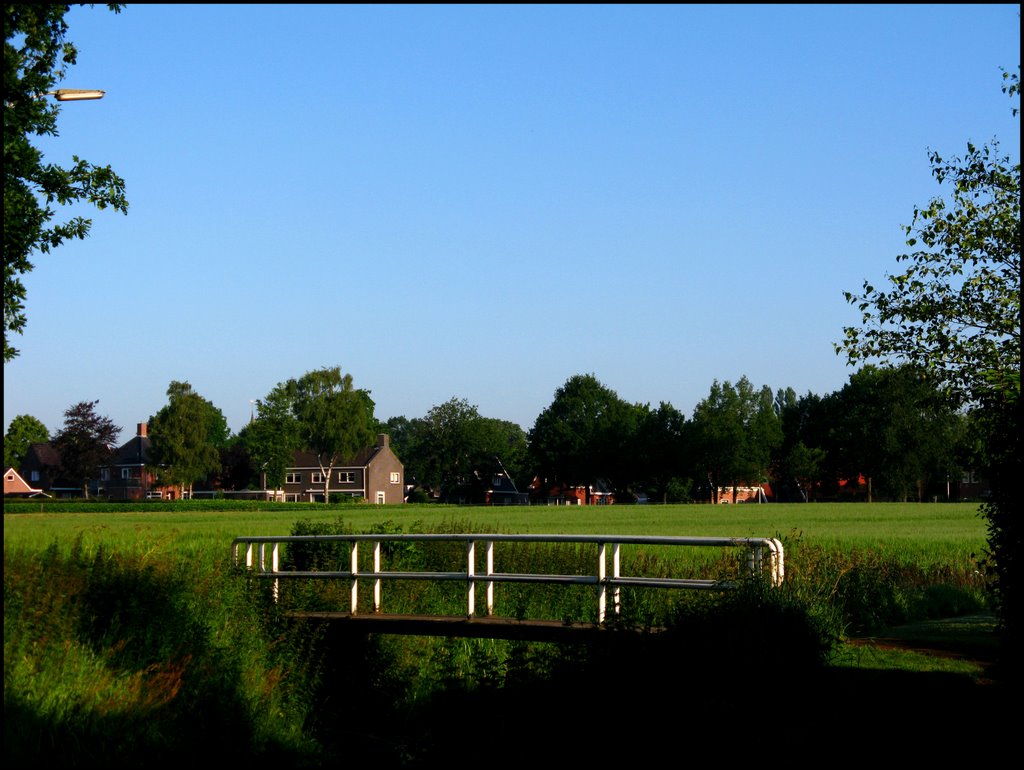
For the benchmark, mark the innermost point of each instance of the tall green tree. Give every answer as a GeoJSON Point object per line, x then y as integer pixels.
{"type": "Point", "coordinates": [504, 442]}
{"type": "Point", "coordinates": [37, 55]}
{"type": "Point", "coordinates": [736, 431]}
{"type": "Point", "coordinates": [954, 310]}
{"type": "Point", "coordinates": [273, 435]}
{"type": "Point", "coordinates": [453, 444]}
{"type": "Point", "coordinates": [85, 443]}
{"type": "Point", "coordinates": [586, 433]}
{"type": "Point", "coordinates": [663, 460]}
{"type": "Point", "coordinates": [186, 436]}
{"type": "Point", "coordinates": [23, 431]}
{"type": "Point", "coordinates": [892, 425]}
{"type": "Point", "coordinates": [335, 420]}
{"type": "Point", "coordinates": [801, 467]}
{"type": "Point", "coordinates": [442, 452]}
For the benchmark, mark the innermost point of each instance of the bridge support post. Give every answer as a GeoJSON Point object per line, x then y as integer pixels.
{"type": "Point", "coordinates": [376, 583]}
{"type": "Point", "coordinates": [470, 574]}
{"type": "Point", "coordinates": [490, 583]}
{"type": "Point", "coordinates": [354, 569]}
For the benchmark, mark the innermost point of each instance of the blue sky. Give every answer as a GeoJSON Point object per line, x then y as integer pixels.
{"type": "Point", "coordinates": [480, 202]}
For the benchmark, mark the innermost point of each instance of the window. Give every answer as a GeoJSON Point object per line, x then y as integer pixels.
{"type": "Point", "coordinates": [316, 478]}
{"type": "Point", "coordinates": [104, 474]}
{"type": "Point", "coordinates": [347, 477]}
{"type": "Point", "coordinates": [34, 476]}
{"type": "Point", "coordinates": [396, 477]}
{"type": "Point", "coordinates": [293, 478]}
{"type": "Point", "coordinates": [126, 473]}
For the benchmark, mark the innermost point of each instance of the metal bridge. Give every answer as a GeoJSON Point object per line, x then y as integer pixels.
{"type": "Point", "coordinates": [262, 558]}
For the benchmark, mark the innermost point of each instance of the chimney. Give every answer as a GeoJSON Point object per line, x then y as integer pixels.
{"type": "Point", "coordinates": [142, 430]}
{"type": "Point", "coordinates": [383, 440]}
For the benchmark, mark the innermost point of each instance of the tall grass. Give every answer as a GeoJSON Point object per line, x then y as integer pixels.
{"type": "Point", "coordinates": [111, 660]}
{"type": "Point", "coordinates": [129, 639]}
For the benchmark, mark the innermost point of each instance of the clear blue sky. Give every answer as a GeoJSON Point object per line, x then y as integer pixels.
{"type": "Point", "coordinates": [480, 202]}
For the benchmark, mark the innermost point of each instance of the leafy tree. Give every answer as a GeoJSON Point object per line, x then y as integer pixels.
{"type": "Point", "coordinates": [186, 436]}
{"type": "Point", "coordinates": [36, 57]}
{"type": "Point", "coordinates": [502, 441]}
{"type": "Point", "coordinates": [804, 464]}
{"type": "Point", "coordinates": [804, 461]}
{"type": "Point", "coordinates": [954, 310]}
{"type": "Point", "coordinates": [442, 451]}
{"type": "Point", "coordinates": [663, 459]}
{"type": "Point", "coordinates": [452, 445]}
{"type": "Point", "coordinates": [736, 431]}
{"type": "Point", "coordinates": [893, 426]}
{"type": "Point", "coordinates": [236, 465]}
{"type": "Point", "coordinates": [399, 429]}
{"type": "Point", "coordinates": [272, 437]}
{"type": "Point", "coordinates": [85, 443]}
{"type": "Point", "coordinates": [23, 431]}
{"type": "Point", "coordinates": [334, 419]}
{"type": "Point", "coordinates": [584, 434]}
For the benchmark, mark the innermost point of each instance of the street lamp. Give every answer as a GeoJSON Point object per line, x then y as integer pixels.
{"type": "Point", "coordinates": [75, 94]}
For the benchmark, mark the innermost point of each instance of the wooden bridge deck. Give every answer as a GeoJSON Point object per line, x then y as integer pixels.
{"type": "Point", "coordinates": [461, 626]}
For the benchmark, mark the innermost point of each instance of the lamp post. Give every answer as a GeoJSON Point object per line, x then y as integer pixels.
{"type": "Point", "coordinates": [75, 94]}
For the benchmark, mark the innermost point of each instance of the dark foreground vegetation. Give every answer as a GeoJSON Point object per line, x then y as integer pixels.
{"type": "Point", "coordinates": [114, 661]}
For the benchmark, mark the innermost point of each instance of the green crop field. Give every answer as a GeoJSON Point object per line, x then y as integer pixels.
{"type": "Point", "coordinates": [921, 533]}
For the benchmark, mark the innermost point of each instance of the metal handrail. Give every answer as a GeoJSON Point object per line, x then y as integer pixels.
{"type": "Point", "coordinates": [765, 556]}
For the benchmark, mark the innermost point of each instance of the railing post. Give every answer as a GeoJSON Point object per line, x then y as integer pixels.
{"type": "Point", "coordinates": [490, 583]}
{"type": "Point", "coordinates": [470, 573]}
{"type": "Point", "coordinates": [777, 562]}
{"type": "Point", "coordinates": [275, 566]}
{"type": "Point", "coordinates": [376, 583]}
{"type": "Point", "coordinates": [354, 569]}
{"type": "Point", "coordinates": [617, 591]}
{"type": "Point", "coordinates": [602, 583]}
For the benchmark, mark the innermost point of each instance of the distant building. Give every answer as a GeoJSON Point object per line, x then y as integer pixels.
{"type": "Point", "coordinates": [129, 477]}
{"type": "Point", "coordinates": [15, 486]}
{"type": "Point", "coordinates": [375, 475]}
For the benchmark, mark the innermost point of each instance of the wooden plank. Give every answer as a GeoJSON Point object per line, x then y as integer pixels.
{"type": "Point", "coordinates": [476, 627]}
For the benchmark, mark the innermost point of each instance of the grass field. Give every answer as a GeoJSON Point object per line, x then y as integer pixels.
{"type": "Point", "coordinates": [127, 635]}
{"type": "Point", "coordinates": [919, 533]}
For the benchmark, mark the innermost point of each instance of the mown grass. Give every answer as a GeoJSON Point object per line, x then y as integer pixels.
{"type": "Point", "coordinates": [920, 532]}
{"type": "Point", "coordinates": [130, 640]}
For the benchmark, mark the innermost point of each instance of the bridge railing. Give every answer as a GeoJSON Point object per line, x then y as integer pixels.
{"type": "Point", "coordinates": [262, 556]}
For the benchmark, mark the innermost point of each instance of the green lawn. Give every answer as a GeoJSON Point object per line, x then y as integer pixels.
{"type": "Point", "coordinates": [915, 531]}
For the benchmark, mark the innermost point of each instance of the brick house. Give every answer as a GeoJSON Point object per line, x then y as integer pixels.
{"type": "Point", "coordinates": [16, 486]}
{"type": "Point", "coordinates": [41, 469]}
{"type": "Point", "coordinates": [128, 477]}
{"type": "Point", "coordinates": [375, 475]}
{"type": "Point", "coordinates": [596, 493]}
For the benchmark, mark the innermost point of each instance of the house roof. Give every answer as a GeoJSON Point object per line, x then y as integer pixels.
{"type": "Point", "coordinates": [134, 452]}
{"type": "Point", "coordinates": [14, 484]}
{"type": "Point", "coordinates": [45, 454]}
{"type": "Point", "coordinates": [305, 459]}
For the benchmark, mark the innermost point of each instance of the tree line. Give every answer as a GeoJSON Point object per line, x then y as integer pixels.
{"type": "Point", "coordinates": [890, 426]}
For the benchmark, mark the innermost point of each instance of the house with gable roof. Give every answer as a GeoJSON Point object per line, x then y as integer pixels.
{"type": "Point", "coordinates": [41, 469]}
{"type": "Point", "coordinates": [375, 474]}
{"type": "Point", "coordinates": [129, 477]}
{"type": "Point", "coordinates": [15, 486]}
